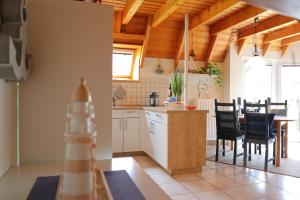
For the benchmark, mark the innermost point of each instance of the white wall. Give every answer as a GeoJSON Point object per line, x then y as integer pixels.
{"type": "Point", "coordinates": [148, 71]}
{"type": "Point", "coordinates": [68, 40]}
{"type": "Point", "coordinates": [7, 125]}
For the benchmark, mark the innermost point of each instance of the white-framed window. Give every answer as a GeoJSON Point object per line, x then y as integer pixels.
{"type": "Point", "coordinates": [126, 62]}
{"type": "Point", "coordinates": [259, 81]}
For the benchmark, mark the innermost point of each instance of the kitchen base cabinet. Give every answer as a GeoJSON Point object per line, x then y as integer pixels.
{"type": "Point", "coordinates": [117, 135]}
{"type": "Point", "coordinates": [125, 131]}
{"type": "Point", "coordinates": [131, 134]}
{"type": "Point", "coordinates": [177, 139]}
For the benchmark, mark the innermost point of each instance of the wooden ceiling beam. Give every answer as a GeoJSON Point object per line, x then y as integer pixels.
{"type": "Point", "coordinates": [167, 9]}
{"type": "Point", "coordinates": [290, 40]}
{"type": "Point", "coordinates": [212, 42]}
{"type": "Point", "coordinates": [284, 50]}
{"type": "Point", "coordinates": [241, 45]}
{"type": "Point", "coordinates": [117, 21]}
{"type": "Point", "coordinates": [235, 19]}
{"type": "Point", "coordinates": [282, 33]}
{"type": "Point", "coordinates": [179, 48]}
{"type": "Point", "coordinates": [266, 48]}
{"type": "Point", "coordinates": [288, 8]}
{"type": "Point", "coordinates": [126, 36]}
{"type": "Point", "coordinates": [130, 9]}
{"type": "Point", "coordinates": [212, 12]}
{"type": "Point", "coordinates": [265, 25]}
{"type": "Point", "coordinates": [146, 41]}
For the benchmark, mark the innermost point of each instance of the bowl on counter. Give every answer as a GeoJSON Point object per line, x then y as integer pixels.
{"type": "Point", "coordinates": [190, 107]}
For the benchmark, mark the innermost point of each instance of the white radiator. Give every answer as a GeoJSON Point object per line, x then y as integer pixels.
{"type": "Point", "coordinates": [209, 104]}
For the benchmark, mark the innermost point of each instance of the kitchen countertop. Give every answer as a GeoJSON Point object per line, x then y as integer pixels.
{"type": "Point", "coordinates": [128, 107]}
{"type": "Point", "coordinates": [168, 109]}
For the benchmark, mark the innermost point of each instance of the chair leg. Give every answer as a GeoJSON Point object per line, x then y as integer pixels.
{"type": "Point", "coordinates": [249, 151]}
{"type": "Point", "coordinates": [255, 148]}
{"type": "Point", "coordinates": [217, 150]}
{"type": "Point", "coordinates": [259, 149]}
{"type": "Point", "coordinates": [235, 151]}
{"type": "Point", "coordinates": [274, 147]}
{"type": "Point", "coordinates": [266, 156]}
{"type": "Point", "coordinates": [245, 153]}
{"type": "Point", "coordinates": [223, 147]}
{"type": "Point", "coordinates": [282, 144]}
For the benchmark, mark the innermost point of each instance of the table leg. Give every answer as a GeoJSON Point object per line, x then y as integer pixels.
{"type": "Point", "coordinates": [286, 140]}
{"type": "Point", "coordinates": [278, 134]}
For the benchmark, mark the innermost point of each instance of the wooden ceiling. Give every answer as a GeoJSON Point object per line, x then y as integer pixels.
{"type": "Point", "coordinates": [214, 26]}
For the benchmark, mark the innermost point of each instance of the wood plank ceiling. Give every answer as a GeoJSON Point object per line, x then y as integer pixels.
{"type": "Point", "coordinates": [214, 25]}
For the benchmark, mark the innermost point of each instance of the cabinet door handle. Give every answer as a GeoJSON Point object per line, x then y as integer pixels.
{"type": "Point", "coordinates": [132, 111]}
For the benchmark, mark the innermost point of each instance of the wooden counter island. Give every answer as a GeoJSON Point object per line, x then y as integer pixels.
{"type": "Point", "coordinates": [176, 138]}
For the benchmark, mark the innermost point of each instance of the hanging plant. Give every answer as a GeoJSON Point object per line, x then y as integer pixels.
{"type": "Point", "coordinates": [215, 71]}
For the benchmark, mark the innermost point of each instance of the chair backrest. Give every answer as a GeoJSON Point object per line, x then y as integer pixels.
{"type": "Point", "coordinates": [254, 109]}
{"type": "Point", "coordinates": [258, 125]}
{"type": "Point", "coordinates": [226, 119]}
{"type": "Point", "coordinates": [279, 108]}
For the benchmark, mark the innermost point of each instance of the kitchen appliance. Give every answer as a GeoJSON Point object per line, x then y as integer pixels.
{"type": "Point", "coordinates": [153, 99]}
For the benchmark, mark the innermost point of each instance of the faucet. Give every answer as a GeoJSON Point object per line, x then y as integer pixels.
{"type": "Point", "coordinates": [114, 101]}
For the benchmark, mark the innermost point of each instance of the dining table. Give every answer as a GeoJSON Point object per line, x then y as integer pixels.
{"type": "Point", "coordinates": [279, 121]}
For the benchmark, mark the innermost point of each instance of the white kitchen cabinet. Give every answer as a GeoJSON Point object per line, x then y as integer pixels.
{"type": "Point", "coordinates": [131, 134]}
{"type": "Point", "coordinates": [125, 131]}
{"type": "Point", "coordinates": [144, 133]}
{"type": "Point", "coordinates": [117, 135]}
{"type": "Point", "coordinates": [157, 144]}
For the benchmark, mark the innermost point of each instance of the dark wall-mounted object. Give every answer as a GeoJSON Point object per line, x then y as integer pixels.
{"type": "Point", "coordinates": [14, 62]}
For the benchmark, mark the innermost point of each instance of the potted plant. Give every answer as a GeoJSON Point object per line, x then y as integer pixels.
{"type": "Point", "coordinates": [177, 84]}
{"type": "Point", "coordinates": [214, 70]}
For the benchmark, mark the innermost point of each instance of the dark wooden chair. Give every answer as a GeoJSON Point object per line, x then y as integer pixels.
{"type": "Point", "coordinates": [228, 127]}
{"type": "Point", "coordinates": [279, 109]}
{"type": "Point", "coordinates": [258, 130]}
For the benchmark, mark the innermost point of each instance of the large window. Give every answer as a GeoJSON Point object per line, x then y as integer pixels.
{"type": "Point", "coordinates": [122, 63]}
{"type": "Point", "coordinates": [258, 81]}
{"type": "Point", "coordinates": [126, 62]}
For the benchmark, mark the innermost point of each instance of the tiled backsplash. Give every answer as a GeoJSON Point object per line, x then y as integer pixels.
{"type": "Point", "coordinates": [138, 92]}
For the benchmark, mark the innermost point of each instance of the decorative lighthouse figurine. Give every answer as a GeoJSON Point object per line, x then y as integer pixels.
{"type": "Point", "coordinates": [80, 178]}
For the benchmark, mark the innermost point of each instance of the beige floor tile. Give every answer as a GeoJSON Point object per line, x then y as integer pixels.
{"type": "Point", "coordinates": [265, 189]}
{"type": "Point", "coordinates": [174, 189]}
{"type": "Point", "coordinates": [240, 193]}
{"type": "Point", "coordinates": [231, 171]}
{"type": "Point", "coordinates": [209, 174]}
{"type": "Point", "coordinates": [197, 186]}
{"type": "Point", "coordinates": [212, 195]}
{"type": "Point", "coordinates": [184, 197]}
{"type": "Point", "coordinates": [280, 197]}
{"type": "Point", "coordinates": [223, 183]}
{"type": "Point", "coordinates": [163, 178]}
{"type": "Point", "coordinates": [245, 179]}
{"type": "Point", "coordinates": [187, 177]}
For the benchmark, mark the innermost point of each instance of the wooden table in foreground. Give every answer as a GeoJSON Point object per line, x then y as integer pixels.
{"type": "Point", "coordinates": [278, 122]}
{"type": "Point", "coordinates": [146, 185]}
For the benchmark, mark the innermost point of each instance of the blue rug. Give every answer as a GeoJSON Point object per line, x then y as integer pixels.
{"type": "Point", "coordinates": [119, 182]}
{"type": "Point", "coordinates": [121, 186]}
{"type": "Point", "coordinates": [44, 188]}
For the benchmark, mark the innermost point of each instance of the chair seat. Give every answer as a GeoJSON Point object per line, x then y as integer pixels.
{"type": "Point", "coordinates": [259, 141]}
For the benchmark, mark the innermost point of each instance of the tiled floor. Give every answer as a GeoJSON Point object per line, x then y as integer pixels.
{"type": "Point", "coordinates": [288, 166]}
{"type": "Point", "coordinates": [221, 182]}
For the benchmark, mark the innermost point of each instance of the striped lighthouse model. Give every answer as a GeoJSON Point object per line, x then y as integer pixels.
{"type": "Point", "coordinates": [80, 176]}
